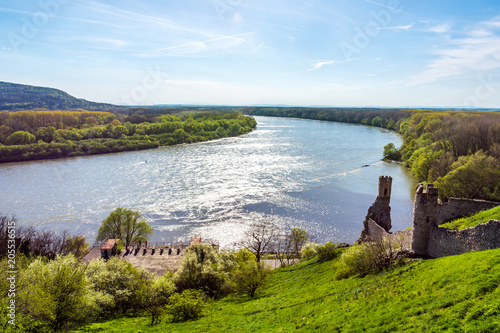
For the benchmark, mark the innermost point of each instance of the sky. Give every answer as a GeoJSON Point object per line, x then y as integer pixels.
{"type": "Point", "coordinates": [358, 53]}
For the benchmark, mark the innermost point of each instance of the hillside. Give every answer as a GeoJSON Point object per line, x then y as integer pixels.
{"type": "Point", "coordinates": [454, 294]}
{"type": "Point", "coordinates": [24, 97]}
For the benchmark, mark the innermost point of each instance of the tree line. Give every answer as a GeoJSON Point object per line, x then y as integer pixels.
{"type": "Point", "coordinates": [31, 135]}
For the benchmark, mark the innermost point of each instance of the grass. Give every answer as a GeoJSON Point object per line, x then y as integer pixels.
{"type": "Point", "coordinates": [452, 294]}
{"type": "Point", "coordinates": [471, 221]}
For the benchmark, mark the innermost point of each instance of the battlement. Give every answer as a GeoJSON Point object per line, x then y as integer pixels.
{"type": "Point", "coordinates": [384, 186]}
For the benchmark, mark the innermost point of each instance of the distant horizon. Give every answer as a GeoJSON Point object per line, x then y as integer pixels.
{"type": "Point", "coordinates": [281, 105]}
{"type": "Point", "coordinates": [373, 53]}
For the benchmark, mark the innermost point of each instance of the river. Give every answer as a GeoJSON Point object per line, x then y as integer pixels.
{"type": "Point", "coordinates": [319, 176]}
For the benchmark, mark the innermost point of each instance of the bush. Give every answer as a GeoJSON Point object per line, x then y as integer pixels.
{"type": "Point", "coordinates": [204, 268]}
{"type": "Point", "coordinates": [325, 252]}
{"type": "Point", "coordinates": [309, 250]}
{"type": "Point", "coordinates": [20, 138]}
{"type": "Point", "coordinates": [367, 258]}
{"type": "Point", "coordinates": [156, 294]}
{"type": "Point", "coordinates": [186, 306]}
{"type": "Point", "coordinates": [250, 277]}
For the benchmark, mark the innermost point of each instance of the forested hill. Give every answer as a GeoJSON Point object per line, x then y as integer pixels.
{"type": "Point", "coordinates": [15, 96]}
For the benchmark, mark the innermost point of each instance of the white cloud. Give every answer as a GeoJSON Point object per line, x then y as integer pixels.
{"type": "Point", "coordinates": [399, 27]}
{"type": "Point", "coordinates": [477, 51]}
{"type": "Point", "coordinates": [320, 64]}
{"type": "Point", "coordinates": [440, 29]}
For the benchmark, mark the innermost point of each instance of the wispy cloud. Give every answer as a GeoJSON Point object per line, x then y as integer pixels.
{"type": "Point", "coordinates": [10, 10]}
{"type": "Point", "coordinates": [398, 27]}
{"type": "Point", "coordinates": [128, 16]}
{"type": "Point", "coordinates": [320, 64]}
{"type": "Point", "coordinates": [236, 38]}
{"type": "Point", "coordinates": [389, 7]}
{"type": "Point", "coordinates": [258, 47]}
{"type": "Point", "coordinates": [317, 65]}
{"type": "Point", "coordinates": [478, 50]}
{"type": "Point", "coordinates": [100, 41]}
{"type": "Point", "coordinates": [442, 28]}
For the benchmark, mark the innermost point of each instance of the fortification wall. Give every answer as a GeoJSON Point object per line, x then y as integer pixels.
{"type": "Point", "coordinates": [456, 208]}
{"type": "Point", "coordinates": [446, 242]}
{"type": "Point", "coordinates": [374, 233]}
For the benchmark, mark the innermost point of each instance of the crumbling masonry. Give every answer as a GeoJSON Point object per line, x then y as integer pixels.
{"type": "Point", "coordinates": [426, 238]}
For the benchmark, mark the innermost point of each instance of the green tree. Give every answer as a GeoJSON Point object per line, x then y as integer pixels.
{"type": "Point", "coordinates": [250, 277]}
{"type": "Point", "coordinates": [54, 292]}
{"type": "Point", "coordinates": [298, 238]}
{"type": "Point", "coordinates": [124, 224]}
{"type": "Point", "coordinates": [76, 245]}
{"type": "Point", "coordinates": [20, 138]}
{"type": "Point", "coordinates": [202, 268]}
{"type": "Point", "coordinates": [391, 153]}
{"type": "Point", "coordinates": [475, 176]}
{"type": "Point", "coordinates": [156, 294]}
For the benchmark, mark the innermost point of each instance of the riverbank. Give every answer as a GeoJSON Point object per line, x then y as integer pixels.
{"type": "Point", "coordinates": [39, 135]}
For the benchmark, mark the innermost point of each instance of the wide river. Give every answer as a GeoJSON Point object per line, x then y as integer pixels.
{"type": "Point", "coordinates": [320, 176]}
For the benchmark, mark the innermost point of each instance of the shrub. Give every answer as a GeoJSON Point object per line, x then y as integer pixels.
{"type": "Point", "coordinates": [244, 256]}
{"type": "Point", "coordinates": [309, 250]}
{"type": "Point", "coordinates": [20, 138]}
{"type": "Point", "coordinates": [156, 294]}
{"type": "Point", "coordinates": [119, 281]}
{"type": "Point", "coordinates": [250, 277]}
{"type": "Point", "coordinates": [54, 293]}
{"type": "Point", "coordinates": [204, 268]}
{"type": "Point", "coordinates": [367, 258]}
{"type": "Point", "coordinates": [327, 251]}
{"type": "Point", "coordinates": [186, 306]}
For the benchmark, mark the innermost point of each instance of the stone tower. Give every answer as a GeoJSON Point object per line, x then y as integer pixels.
{"type": "Point", "coordinates": [425, 211]}
{"type": "Point", "coordinates": [380, 211]}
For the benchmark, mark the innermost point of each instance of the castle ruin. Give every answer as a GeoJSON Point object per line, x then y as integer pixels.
{"type": "Point", "coordinates": [426, 238]}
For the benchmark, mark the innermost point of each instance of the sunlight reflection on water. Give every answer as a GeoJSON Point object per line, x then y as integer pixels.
{"type": "Point", "coordinates": [300, 173]}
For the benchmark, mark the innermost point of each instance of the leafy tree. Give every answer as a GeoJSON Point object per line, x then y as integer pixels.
{"type": "Point", "coordinates": [156, 294]}
{"type": "Point", "coordinates": [391, 153]}
{"type": "Point", "coordinates": [76, 245]}
{"type": "Point", "coordinates": [298, 238]}
{"type": "Point", "coordinates": [120, 284]}
{"type": "Point", "coordinates": [250, 277]}
{"type": "Point", "coordinates": [124, 224]}
{"type": "Point", "coordinates": [20, 138]}
{"type": "Point", "coordinates": [54, 296]}
{"type": "Point", "coordinates": [475, 176]}
{"type": "Point", "coordinates": [203, 268]}
{"type": "Point", "coordinates": [244, 256]}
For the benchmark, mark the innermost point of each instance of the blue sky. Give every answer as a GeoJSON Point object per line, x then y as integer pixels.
{"type": "Point", "coordinates": [402, 53]}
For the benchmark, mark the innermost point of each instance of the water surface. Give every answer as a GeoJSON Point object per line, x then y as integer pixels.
{"type": "Point", "coordinates": [320, 176]}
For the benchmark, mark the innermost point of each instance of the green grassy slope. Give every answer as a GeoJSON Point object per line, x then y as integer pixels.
{"type": "Point", "coordinates": [453, 294]}
{"type": "Point", "coordinates": [471, 221]}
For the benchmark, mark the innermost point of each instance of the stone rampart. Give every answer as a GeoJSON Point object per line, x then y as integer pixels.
{"type": "Point", "coordinates": [456, 208]}
{"type": "Point", "coordinates": [447, 242]}
{"type": "Point", "coordinates": [426, 238]}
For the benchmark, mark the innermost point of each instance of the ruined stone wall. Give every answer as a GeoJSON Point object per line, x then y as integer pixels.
{"type": "Point", "coordinates": [456, 208]}
{"type": "Point", "coordinates": [374, 233]}
{"type": "Point", "coordinates": [447, 242]}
